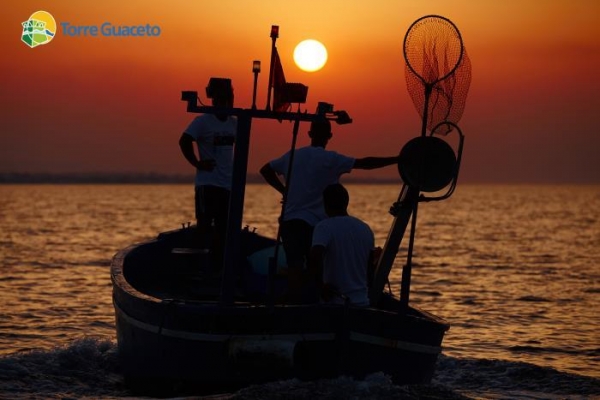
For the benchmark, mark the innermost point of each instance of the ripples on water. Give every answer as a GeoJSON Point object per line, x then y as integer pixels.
{"type": "Point", "coordinates": [514, 269]}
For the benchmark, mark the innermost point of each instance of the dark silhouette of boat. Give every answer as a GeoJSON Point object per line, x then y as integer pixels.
{"type": "Point", "coordinates": [174, 331]}
{"type": "Point", "coordinates": [180, 328]}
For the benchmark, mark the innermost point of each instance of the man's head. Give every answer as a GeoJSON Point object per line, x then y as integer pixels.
{"type": "Point", "coordinates": [336, 199]}
{"type": "Point", "coordinates": [224, 101]}
{"type": "Point", "coordinates": [220, 91]}
{"type": "Point", "coordinates": [320, 132]}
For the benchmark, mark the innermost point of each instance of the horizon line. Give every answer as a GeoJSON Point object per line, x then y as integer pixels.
{"type": "Point", "coordinates": [176, 178]}
{"type": "Point", "coordinates": [136, 177]}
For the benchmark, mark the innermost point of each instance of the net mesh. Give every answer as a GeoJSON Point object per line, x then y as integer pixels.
{"type": "Point", "coordinates": [436, 59]}
{"type": "Point", "coordinates": [448, 97]}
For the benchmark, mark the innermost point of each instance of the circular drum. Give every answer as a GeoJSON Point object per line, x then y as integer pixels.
{"type": "Point", "coordinates": [428, 163]}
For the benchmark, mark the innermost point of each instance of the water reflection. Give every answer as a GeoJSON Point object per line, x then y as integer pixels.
{"type": "Point", "coordinates": [514, 270]}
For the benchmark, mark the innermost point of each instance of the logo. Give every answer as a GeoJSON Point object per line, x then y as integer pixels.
{"type": "Point", "coordinates": [39, 29]}
{"type": "Point", "coordinates": [107, 29]}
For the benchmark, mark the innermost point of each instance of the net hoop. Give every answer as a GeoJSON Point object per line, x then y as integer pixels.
{"type": "Point", "coordinates": [406, 44]}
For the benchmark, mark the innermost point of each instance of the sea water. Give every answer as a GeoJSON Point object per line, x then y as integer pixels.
{"type": "Point", "coordinates": [515, 270]}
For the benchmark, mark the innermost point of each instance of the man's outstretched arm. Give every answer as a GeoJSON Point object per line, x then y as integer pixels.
{"type": "Point", "coordinates": [374, 162]}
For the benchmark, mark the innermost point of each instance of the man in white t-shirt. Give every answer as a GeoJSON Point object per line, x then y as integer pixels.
{"type": "Point", "coordinates": [314, 168]}
{"type": "Point", "coordinates": [341, 250]}
{"type": "Point", "coordinates": [214, 135]}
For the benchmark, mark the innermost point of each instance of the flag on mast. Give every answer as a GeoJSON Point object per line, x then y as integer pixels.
{"type": "Point", "coordinates": [278, 85]}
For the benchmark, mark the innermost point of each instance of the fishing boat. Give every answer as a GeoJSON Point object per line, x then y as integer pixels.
{"type": "Point", "coordinates": [176, 331]}
{"type": "Point", "coordinates": [180, 327]}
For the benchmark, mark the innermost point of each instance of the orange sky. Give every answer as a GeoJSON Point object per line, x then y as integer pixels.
{"type": "Point", "coordinates": [101, 104]}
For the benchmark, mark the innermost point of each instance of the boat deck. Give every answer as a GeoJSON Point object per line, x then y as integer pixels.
{"type": "Point", "coordinates": [174, 267]}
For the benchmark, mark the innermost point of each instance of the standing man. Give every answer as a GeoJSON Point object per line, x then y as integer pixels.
{"type": "Point", "coordinates": [214, 135]}
{"type": "Point", "coordinates": [314, 168]}
{"type": "Point", "coordinates": [341, 251]}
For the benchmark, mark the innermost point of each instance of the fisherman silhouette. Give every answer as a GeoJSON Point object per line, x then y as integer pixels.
{"type": "Point", "coordinates": [314, 168]}
{"type": "Point", "coordinates": [214, 135]}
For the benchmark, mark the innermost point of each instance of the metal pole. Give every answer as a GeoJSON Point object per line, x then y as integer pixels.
{"type": "Point", "coordinates": [236, 208]}
{"type": "Point", "coordinates": [428, 89]}
{"type": "Point", "coordinates": [256, 71]}
{"type": "Point", "coordinates": [274, 36]}
{"type": "Point", "coordinates": [403, 209]}
{"type": "Point", "coordinates": [288, 179]}
{"type": "Point", "coordinates": [407, 270]}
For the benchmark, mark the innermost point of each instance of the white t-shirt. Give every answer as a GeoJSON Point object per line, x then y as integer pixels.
{"type": "Point", "coordinates": [314, 169]}
{"type": "Point", "coordinates": [214, 140]}
{"type": "Point", "coordinates": [348, 242]}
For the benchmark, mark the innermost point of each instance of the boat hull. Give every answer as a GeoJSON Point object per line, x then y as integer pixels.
{"type": "Point", "coordinates": [176, 342]}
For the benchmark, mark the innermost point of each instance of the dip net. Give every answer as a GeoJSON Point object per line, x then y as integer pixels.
{"type": "Point", "coordinates": [438, 72]}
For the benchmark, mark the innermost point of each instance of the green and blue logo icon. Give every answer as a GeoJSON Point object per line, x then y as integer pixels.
{"type": "Point", "coordinates": [39, 29]}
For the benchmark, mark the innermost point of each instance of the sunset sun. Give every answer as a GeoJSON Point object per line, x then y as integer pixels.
{"type": "Point", "coordinates": [310, 55]}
